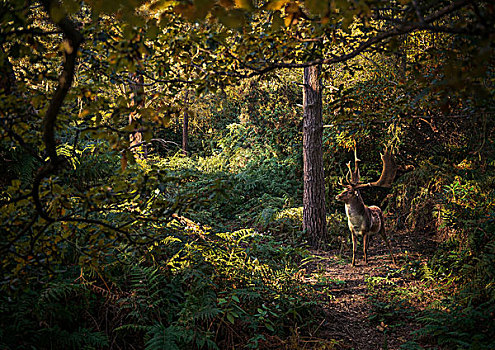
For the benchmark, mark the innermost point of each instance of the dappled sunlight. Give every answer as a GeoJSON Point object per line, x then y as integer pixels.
{"type": "Point", "coordinates": [247, 174]}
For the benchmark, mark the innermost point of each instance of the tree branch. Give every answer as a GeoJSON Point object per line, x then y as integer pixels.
{"type": "Point", "coordinates": [73, 40]}
{"type": "Point", "coordinates": [401, 29]}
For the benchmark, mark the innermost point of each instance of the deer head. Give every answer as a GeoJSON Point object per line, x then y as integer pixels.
{"type": "Point", "coordinates": [389, 170]}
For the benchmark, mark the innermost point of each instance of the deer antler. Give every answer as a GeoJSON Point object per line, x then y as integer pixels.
{"type": "Point", "coordinates": [389, 170]}
{"type": "Point", "coordinates": [354, 180]}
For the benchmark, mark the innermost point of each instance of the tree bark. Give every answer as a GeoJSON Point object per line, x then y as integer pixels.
{"type": "Point", "coordinates": [7, 76]}
{"type": "Point", "coordinates": [138, 102]}
{"type": "Point", "coordinates": [73, 40]}
{"type": "Point", "coordinates": [314, 210]}
{"type": "Point", "coordinates": [185, 127]}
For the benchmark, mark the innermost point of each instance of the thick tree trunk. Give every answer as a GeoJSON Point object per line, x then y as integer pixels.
{"type": "Point", "coordinates": [314, 210]}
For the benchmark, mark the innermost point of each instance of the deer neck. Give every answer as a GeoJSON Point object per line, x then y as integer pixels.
{"type": "Point", "coordinates": [356, 209]}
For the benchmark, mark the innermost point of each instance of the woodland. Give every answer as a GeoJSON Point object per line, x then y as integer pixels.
{"type": "Point", "coordinates": [171, 174]}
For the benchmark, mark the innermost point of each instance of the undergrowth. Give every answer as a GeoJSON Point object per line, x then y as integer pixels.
{"type": "Point", "coordinates": [236, 186]}
{"type": "Point", "coordinates": [196, 290]}
{"type": "Point", "coordinates": [451, 294]}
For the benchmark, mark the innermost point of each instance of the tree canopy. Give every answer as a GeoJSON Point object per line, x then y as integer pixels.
{"type": "Point", "coordinates": [99, 203]}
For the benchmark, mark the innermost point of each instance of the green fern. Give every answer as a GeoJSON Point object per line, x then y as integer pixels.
{"type": "Point", "coordinates": [161, 337]}
{"type": "Point", "coordinates": [57, 291]}
{"type": "Point", "coordinates": [82, 338]}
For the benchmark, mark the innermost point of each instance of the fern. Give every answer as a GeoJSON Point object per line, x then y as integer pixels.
{"type": "Point", "coordinates": [176, 338]}
{"type": "Point", "coordinates": [22, 165]}
{"type": "Point", "coordinates": [79, 339]}
{"type": "Point", "coordinates": [161, 337]}
{"type": "Point", "coordinates": [461, 328]}
{"type": "Point", "coordinates": [57, 291]}
{"type": "Point", "coordinates": [147, 297]}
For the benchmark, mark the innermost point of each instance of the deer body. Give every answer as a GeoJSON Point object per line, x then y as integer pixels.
{"type": "Point", "coordinates": [360, 217]}
{"type": "Point", "coordinates": [363, 220]}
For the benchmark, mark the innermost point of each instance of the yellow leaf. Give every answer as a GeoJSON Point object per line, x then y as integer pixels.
{"type": "Point", "coordinates": [83, 113]}
{"type": "Point", "coordinates": [293, 12]}
{"type": "Point", "coordinates": [160, 5]}
{"type": "Point", "coordinates": [275, 5]}
{"type": "Point", "coordinates": [227, 3]}
{"type": "Point", "coordinates": [244, 4]}
{"type": "Point", "coordinates": [290, 19]}
{"type": "Point", "coordinates": [50, 55]}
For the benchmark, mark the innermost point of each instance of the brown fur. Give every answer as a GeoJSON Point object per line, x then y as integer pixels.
{"type": "Point", "coordinates": [362, 220]}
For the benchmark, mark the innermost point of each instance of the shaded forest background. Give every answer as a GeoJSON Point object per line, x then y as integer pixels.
{"type": "Point", "coordinates": [114, 236]}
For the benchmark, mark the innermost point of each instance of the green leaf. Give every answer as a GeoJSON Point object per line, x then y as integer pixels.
{"type": "Point", "coordinates": [233, 19]}
{"type": "Point", "coordinates": [277, 21]}
{"type": "Point", "coordinates": [56, 13]}
{"type": "Point", "coordinates": [319, 7]}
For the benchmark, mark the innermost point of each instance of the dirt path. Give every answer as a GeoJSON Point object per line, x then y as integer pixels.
{"type": "Point", "coordinates": [351, 314]}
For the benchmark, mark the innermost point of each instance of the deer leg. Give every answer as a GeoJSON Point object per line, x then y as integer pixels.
{"type": "Point", "coordinates": [354, 246]}
{"type": "Point", "coordinates": [382, 232]}
{"type": "Point", "coordinates": [365, 248]}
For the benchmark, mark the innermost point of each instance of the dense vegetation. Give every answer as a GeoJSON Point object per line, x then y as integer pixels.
{"type": "Point", "coordinates": [113, 237]}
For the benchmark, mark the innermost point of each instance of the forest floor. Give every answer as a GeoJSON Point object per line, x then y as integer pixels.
{"type": "Point", "coordinates": [372, 307]}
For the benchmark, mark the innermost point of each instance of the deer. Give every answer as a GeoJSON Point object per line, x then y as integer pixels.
{"type": "Point", "coordinates": [366, 220]}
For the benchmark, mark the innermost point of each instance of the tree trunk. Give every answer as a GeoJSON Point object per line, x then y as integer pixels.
{"type": "Point", "coordinates": [402, 52]}
{"type": "Point", "coordinates": [7, 76]}
{"type": "Point", "coordinates": [185, 126]}
{"type": "Point", "coordinates": [314, 210]}
{"type": "Point", "coordinates": [138, 101]}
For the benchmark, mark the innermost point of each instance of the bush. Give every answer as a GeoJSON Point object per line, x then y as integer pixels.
{"type": "Point", "coordinates": [193, 290]}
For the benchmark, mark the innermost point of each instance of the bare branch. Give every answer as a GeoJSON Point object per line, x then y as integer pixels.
{"type": "Point", "coordinates": [418, 11]}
